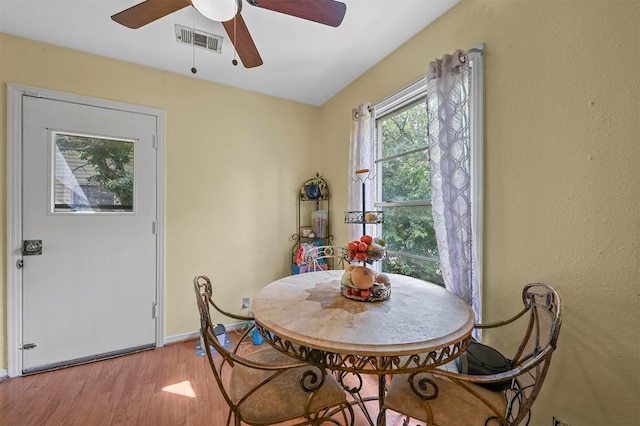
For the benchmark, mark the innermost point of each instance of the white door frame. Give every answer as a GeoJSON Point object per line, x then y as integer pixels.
{"type": "Point", "coordinates": [14, 207]}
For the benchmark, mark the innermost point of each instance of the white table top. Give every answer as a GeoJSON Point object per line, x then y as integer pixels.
{"type": "Point", "coordinates": [419, 318]}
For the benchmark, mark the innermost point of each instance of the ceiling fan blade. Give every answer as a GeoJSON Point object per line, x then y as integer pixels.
{"type": "Point", "coordinates": [241, 39]}
{"type": "Point", "coordinates": [328, 12]}
{"type": "Point", "coordinates": [148, 11]}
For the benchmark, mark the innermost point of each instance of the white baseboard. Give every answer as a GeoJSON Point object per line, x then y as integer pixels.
{"type": "Point", "coordinates": [4, 374]}
{"type": "Point", "coordinates": [195, 334]}
{"type": "Point", "coordinates": [181, 337]}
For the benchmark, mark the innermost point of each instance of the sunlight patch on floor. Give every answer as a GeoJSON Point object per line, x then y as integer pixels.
{"type": "Point", "coordinates": [182, 388]}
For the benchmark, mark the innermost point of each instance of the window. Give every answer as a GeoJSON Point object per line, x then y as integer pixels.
{"type": "Point", "coordinates": [403, 185]}
{"type": "Point", "coordinates": [403, 180]}
{"type": "Point", "coordinates": [92, 174]}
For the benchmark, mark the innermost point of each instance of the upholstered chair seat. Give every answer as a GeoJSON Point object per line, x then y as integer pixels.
{"type": "Point", "coordinates": [284, 395]}
{"type": "Point", "coordinates": [453, 405]}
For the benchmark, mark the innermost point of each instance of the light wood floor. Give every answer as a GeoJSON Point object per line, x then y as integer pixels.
{"type": "Point", "coordinates": [165, 386]}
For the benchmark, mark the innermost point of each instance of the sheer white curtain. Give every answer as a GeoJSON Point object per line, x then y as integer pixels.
{"type": "Point", "coordinates": [448, 90]}
{"type": "Point", "coordinates": [360, 157]}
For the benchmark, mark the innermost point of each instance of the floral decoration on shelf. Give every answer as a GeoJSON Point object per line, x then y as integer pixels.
{"type": "Point", "coordinates": [314, 189]}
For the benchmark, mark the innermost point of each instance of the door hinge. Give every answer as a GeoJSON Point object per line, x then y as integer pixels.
{"type": "Point", "coordinates": [154, 310]}
{"type": "Point", "coordinates": [154, 142]}
{"type": "Point", "coordinates": [154, 227]}
{"type": "Point", "coordinates": [27, 346]}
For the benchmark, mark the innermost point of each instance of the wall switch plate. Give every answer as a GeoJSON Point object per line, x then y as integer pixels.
{"type": "Point", "coordinates": [246, 302]}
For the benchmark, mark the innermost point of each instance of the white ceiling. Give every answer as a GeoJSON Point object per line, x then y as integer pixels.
{"type": "Point", "coordinates": [303, 61]}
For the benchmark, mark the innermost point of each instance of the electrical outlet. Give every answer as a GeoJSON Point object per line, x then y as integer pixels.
{"type": "Point", "coordinates": [246, 301]}
{"type": "Point", "coordinates": [558, 422]}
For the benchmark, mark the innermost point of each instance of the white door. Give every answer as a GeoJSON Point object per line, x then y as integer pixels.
{"type": "Point", "coordinates": [89, 195]}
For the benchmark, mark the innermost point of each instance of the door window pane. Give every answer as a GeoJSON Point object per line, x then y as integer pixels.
{"type": "Point", "coordinates": [92, 174]}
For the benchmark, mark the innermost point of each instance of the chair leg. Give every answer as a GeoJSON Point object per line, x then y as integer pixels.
{"type": "Point", "coordinates": [352, 414]}
{"type": "Point", "coordinates": [350, 418]}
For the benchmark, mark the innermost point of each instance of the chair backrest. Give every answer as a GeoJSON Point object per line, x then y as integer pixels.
{"type": "Point", "coordinates": [264, 386]}
{"type": "Point", "coordinates": [531, 361]}
{"type": "Point", "coordinates": [324, 257]}
{"type": "Point", "coordinates": [221, 357]}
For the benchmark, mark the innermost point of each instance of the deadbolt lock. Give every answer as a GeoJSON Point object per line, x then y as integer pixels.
{"type": "Point", "coordinates": [31, 247]}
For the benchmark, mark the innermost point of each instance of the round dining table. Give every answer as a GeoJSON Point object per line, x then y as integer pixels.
{"type": "Point", "coordinates": [420, 326]}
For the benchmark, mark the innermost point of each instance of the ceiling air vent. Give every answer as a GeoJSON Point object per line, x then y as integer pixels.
{"type": "Point", "coordinates": [210, 42]}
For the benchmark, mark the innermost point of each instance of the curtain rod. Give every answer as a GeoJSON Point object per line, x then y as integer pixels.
{"type": "Point", "coordinates": [355, 112]}
{"type": "Point", "coordinates": [388, 104]}
{"type": "Point", "coordinates": [462, 56]}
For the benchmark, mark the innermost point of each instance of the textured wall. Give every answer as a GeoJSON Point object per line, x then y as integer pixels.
{"type": "Point", "coordinates": [562, 175]}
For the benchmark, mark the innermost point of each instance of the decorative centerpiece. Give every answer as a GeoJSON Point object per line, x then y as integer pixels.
{"type": "Point", "coordinates": [359, 282]}
{"type": "Point", "coordinates": [364, 284]}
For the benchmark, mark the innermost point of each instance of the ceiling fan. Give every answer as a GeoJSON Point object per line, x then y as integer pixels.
{"type": "Point", "coordinates": [327, 12]}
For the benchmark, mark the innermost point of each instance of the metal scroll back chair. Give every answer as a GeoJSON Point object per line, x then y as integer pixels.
{"type": "Point", "coordinates": [324, 257]}
{"type": "Point", "coordinates": [267, 387]}
{"type": "Point", "coordinates": [442, 397]}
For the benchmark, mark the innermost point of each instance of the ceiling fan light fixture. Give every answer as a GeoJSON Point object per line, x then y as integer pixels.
{"type": "Point", "coordinates": [217, 10]}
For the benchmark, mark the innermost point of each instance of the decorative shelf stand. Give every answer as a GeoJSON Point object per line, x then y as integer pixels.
{"type": "Point", "coordinates": [313, 225]}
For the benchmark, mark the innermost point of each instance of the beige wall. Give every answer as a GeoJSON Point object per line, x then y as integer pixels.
{"type": "Point", "coordinates": [562, 179]}
{"type": "Point", "coordinates": [562, 169]}
{"type": "Point", "coordinates": [234, 162]}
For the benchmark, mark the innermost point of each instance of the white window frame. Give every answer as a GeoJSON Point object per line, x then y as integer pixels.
{"type": "Point", "coordinates": [418, 89]}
